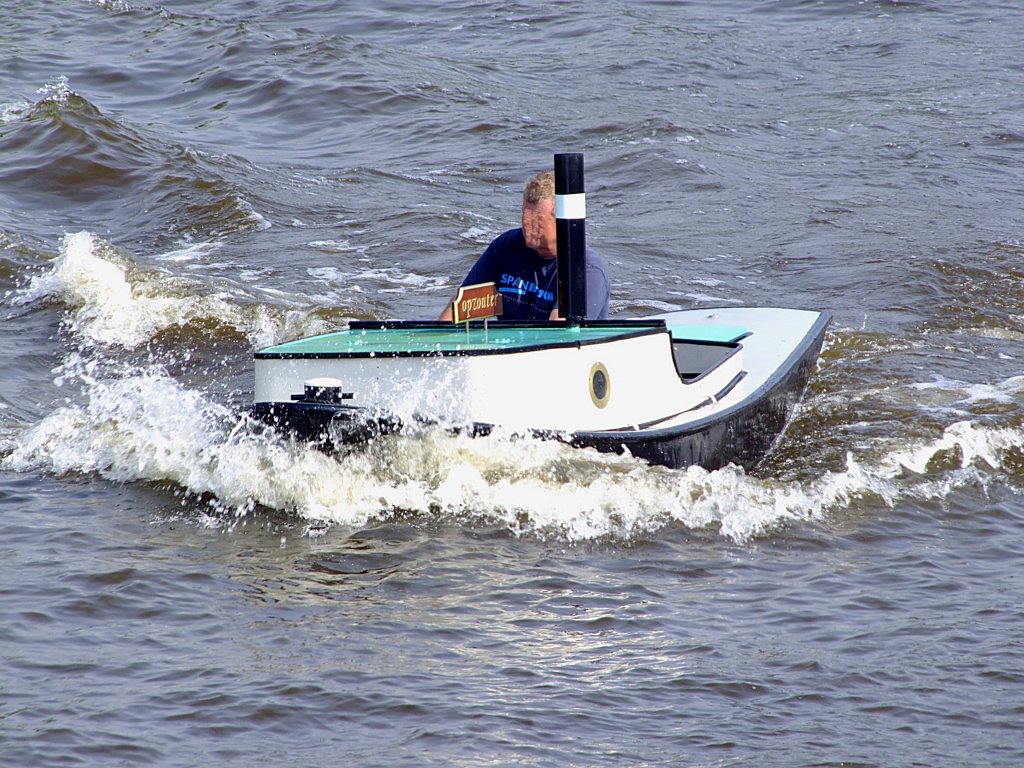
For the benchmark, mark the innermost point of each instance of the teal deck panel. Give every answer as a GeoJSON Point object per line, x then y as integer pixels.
{"type": "Point", "coordinates": [392, 341]}
{"type": "Point", "coordinates": [711, 334]}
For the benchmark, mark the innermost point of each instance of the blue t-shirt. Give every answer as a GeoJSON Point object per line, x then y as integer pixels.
{"type": "Point", "coordinates": [528, 283]}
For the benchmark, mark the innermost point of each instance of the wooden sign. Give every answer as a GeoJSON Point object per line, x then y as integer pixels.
{"type": "Point", "coordinates": [476, 302]}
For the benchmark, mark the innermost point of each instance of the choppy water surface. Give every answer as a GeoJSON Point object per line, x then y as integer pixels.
{"type": "Point", "coordinates": [182, 184]}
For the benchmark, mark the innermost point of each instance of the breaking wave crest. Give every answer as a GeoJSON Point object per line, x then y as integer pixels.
{"type": "Point", "coordinates": [113, 303]}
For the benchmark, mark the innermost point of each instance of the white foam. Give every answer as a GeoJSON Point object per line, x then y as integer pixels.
{"type": "Point", "coordinates": [111, 303]}
{"type": "Point", "coordinates": [964, 393]}
{"type": "Point", "coordinates": [476, 234]}
{"type": "Point", "coordinates": [660, 306]}
{"type": "Point", "coordinates": [335, 246]}
{"type": "Point", "coordinates": [96, 286]}
{"type": "Point", "coordinates": [967, 441]}
{"type": "Point", "coordinates": [56, 90]}
{"type": "Point", "coordinates": [258, 220]}
{"type": "Point", "coordinates": [190, 251]}
{"type": "Point", "coordinates": [13, 112]}
{"type": "Point", "coordinates": [114, 5]}
{"type": "Point", "coordinates": [385, 278]}
{"type": "Point", "coordinates": [147, 426]}
{"type": "Point", "coordinates": [142, 424]}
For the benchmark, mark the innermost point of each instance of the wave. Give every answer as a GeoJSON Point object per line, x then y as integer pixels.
{"type": "Point", "coordinates": [17, 259]}
{"type": "Point", "coordinates": [112, 302]}
{"type": "Point", "coordinates": [64, 155]}
{"type": "Point", "coordinates": [789, 9]}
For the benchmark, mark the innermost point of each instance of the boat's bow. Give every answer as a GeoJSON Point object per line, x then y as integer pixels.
{"type": "Point", "coordinates": [740, 424]}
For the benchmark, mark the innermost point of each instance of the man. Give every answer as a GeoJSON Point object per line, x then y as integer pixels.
{"type": "Point", "coordinates": [522, 263]}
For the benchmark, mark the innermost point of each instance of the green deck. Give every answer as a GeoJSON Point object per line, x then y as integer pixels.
{"type": "Point", "coordinates": [390, 341]}
{"type": "Point", "coordinates": [412, 339]}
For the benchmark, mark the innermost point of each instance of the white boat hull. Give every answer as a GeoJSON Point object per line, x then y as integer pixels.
{"type": "Point", "coordinates": [672, 389]}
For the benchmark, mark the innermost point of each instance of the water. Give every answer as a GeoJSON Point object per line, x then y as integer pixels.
{"type": "Point", "coordinates": [180, 185]}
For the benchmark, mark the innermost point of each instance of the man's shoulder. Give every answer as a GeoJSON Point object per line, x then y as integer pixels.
{"type": "Point", "coordinates": [509, 248]}
{"type": "Point", "coordinates": [595, 261]}
{"type": "Point", "coordinates": [510, 239]}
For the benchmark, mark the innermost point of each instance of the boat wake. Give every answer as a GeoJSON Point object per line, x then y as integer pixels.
{"type": "Point", "coordinates": [123, 411]}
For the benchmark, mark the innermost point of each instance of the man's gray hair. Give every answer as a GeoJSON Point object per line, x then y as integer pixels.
{"type": "Point", "coordinates": [540, 187]}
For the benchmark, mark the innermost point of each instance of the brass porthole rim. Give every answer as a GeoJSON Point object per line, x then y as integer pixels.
{"type": "Point", "coordinates": [598, 400]}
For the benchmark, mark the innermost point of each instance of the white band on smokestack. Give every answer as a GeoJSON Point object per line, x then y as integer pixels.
{"type": "Point", "coordinates": [571, 206]}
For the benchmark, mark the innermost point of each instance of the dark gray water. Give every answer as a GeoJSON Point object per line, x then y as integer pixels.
{"type": "Point", "coordinates": [182, 184]}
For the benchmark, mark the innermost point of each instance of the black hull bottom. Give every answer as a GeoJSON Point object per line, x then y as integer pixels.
{"type": "Point", "coordinates": [741, 434]}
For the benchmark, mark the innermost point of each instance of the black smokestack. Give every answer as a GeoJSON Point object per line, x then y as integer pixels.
{"type": "Point", "coordinates": [570, 228]}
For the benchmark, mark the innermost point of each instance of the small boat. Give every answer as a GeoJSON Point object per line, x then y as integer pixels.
{"type": "Point", "coordinates": [707, 387]}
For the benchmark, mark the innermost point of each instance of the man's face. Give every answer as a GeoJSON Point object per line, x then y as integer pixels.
{"type": "Point", "coordinates": [539, 227]}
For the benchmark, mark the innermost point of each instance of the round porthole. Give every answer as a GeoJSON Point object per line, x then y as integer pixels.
{"type": "Point", "coordinates": [600, 385]}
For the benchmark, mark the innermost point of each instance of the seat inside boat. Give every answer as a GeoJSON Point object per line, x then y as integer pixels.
{"type": "Point", "coordinates": [697, 349]}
